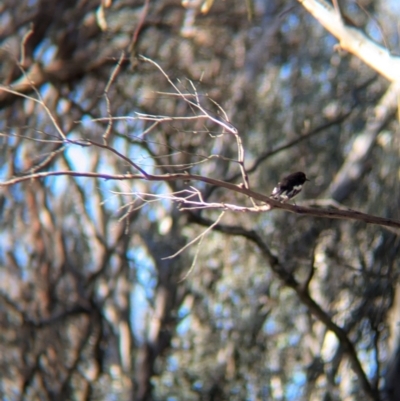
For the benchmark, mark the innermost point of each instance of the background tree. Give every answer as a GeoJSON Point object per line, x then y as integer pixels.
{"type": "Point", "coordinates": [112, 164]}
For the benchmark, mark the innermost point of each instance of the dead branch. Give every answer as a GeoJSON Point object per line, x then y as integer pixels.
{"type": "Point", "coordinates": [269, 203]}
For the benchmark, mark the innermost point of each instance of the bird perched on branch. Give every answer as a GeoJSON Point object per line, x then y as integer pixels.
{"type": "Point", "coordinates": [289, 187]}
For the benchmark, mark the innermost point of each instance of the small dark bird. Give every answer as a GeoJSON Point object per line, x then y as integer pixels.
{"type": "Point", "coordinates": [289, 187]}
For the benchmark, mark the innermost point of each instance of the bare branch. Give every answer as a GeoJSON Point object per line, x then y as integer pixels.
{"type": "Point", "coordinates": [199, 237]}
{"type": "Point", "coordinates": [40, 101]}
{"type": "Point", "coordinates": [353, 40]}
{"type": "Point", "coordinates": [226, 125]}
{"type": "Point", "coordinates": [109, 83]}
{"type": "Point", "coordinates": [288, 279]}
{"type": "Point", "coordinates": [348, 214]}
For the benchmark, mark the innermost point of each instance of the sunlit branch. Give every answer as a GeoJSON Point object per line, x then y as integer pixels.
{"type": "Point", "coordinates": [354, 40]}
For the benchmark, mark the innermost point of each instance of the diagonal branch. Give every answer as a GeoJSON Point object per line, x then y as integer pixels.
{"type": "Point", "coordinates": [302, 292]}
{"type": "Point", "coordinates": [354, 40]}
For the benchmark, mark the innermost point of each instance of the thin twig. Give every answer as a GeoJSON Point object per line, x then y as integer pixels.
{"type": "Point", "coordinates": [39, 101]}
{"type": "Point", "coordinates": [197, 238]}
{"type": "Point", "coordinates": [109, 83]}
{"type": "Point", "coordinates": [229, 127]}
{"type": "Point", "coordinates": [194, 261]}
